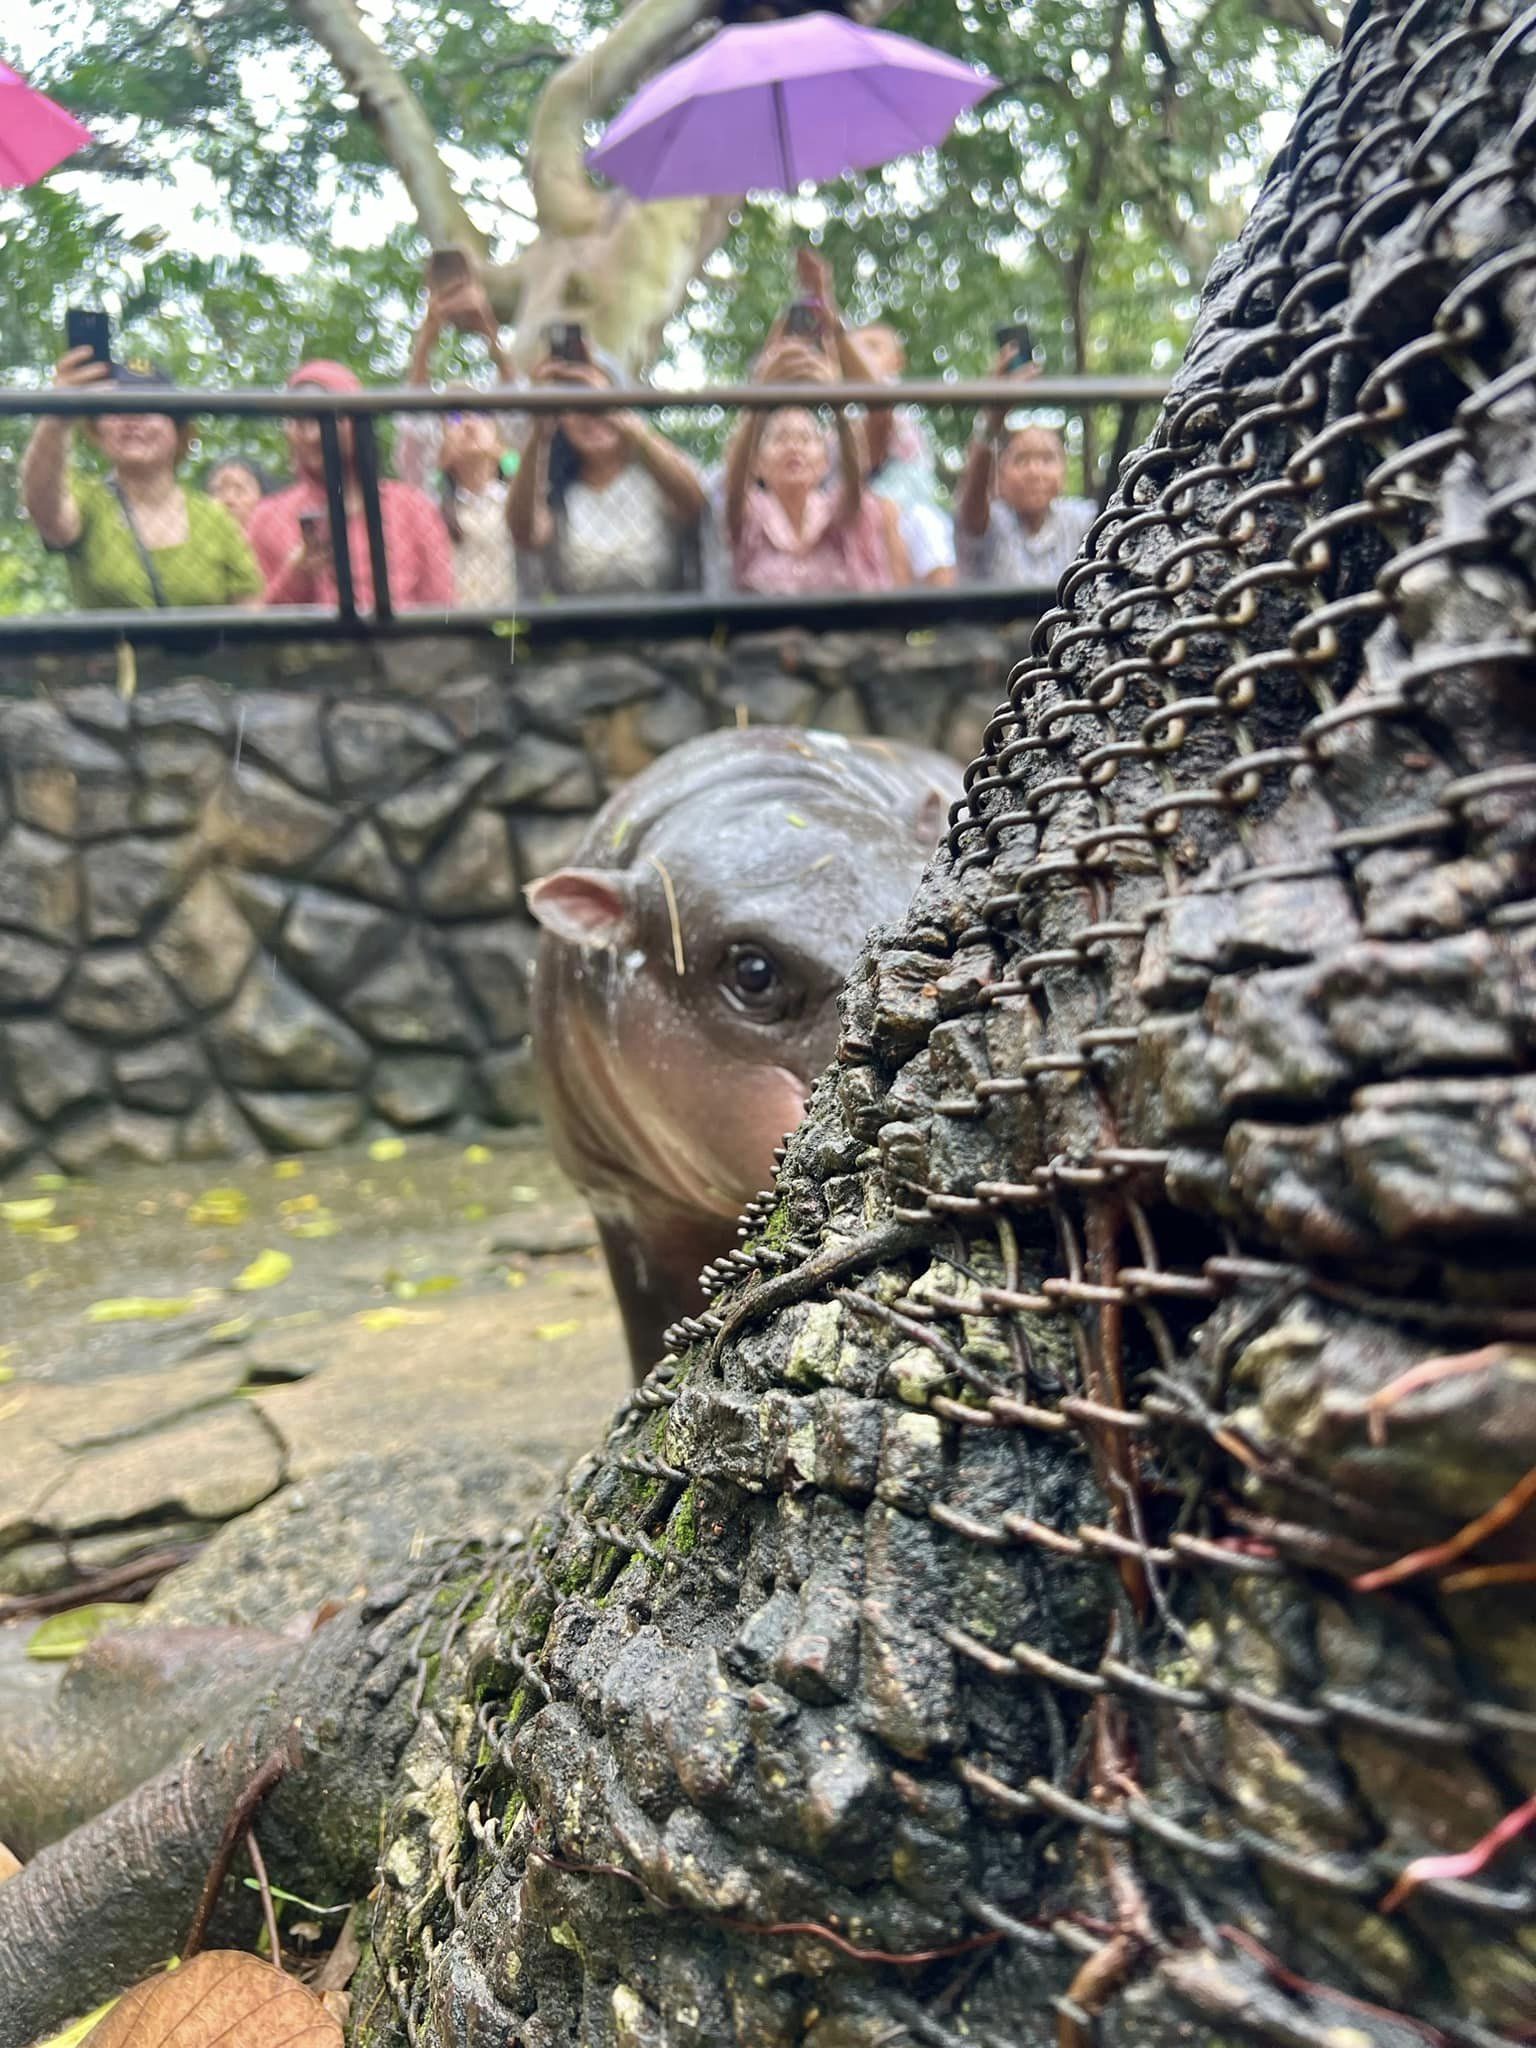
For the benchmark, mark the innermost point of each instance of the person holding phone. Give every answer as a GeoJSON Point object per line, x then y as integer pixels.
{"type": "Point", "coordinates": [290, 532]}
{"type": "Point", "coordinates": [469, 453]}
{"type": "Point", "coordinates": [602, 502]}
{"type": "Point", "coordinates": [1013, 523]}
{"type": "Point", "coordinates": [795, 520]}
{"type": "Point", "coordinates": [137, 537]}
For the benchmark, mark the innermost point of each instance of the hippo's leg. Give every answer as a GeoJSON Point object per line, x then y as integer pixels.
{"type": "Point", "coordinates": [655, 1274]}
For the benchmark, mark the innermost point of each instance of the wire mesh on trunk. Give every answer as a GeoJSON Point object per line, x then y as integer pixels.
{"type": "Point", "coordinates": [1072, 1584]}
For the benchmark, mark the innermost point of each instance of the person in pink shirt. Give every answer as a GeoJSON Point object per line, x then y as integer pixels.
{"type": "Point", "coordinates": [290, 531]}
{"type": "Point", "coordinates": [794, 523]}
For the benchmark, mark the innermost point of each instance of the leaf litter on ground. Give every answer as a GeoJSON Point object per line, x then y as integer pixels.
{"type": "Point", "coordinates": [222, 1996]}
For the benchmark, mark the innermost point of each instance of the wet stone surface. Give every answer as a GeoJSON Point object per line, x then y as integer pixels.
{"type": "Point", "coordinates": [441, 1345]}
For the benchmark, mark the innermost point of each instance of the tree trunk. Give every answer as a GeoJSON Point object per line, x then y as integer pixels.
{"type": "Point", "coordinates": [1070, 1586]}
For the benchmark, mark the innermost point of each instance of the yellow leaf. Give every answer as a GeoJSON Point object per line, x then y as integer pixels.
{"type": "Point", "coordinates": [516, 1277]}
{"type": "Point", "coordinates": [55, 1233]}
{"type": "Point", "coordinates": [77, 2030]}
{"type": "Point", "coordinates": [314, 1226]}
{"type": "Point", "coordinates": [235, 1331]}
{"type": "Point", "coordinates": [63, 1636]}
{"type": "Point", "coordinates": [550, 1331]}
{"type": "Point", "coordinates": [7, 1372]}
{"type": "Point", "coordinates": [434, 1283]}
{"type": "Point", "coordinates": [50, 1180]}
{"type": "Point", "coordinates": [387, 1148]}
{"type": "Point", "coordinates": [220, 1205]}
{"type": "Point", "coordinates": [265, 1270]}
{"type": "Point", "coordinates": [794, 818]}
{"type": "Point", "coordinates": [36, 1209]}
{"type": "Point", "coordinates": [520, 1193]}
{"type": "Point", "coordinates": [299, 1205]}
{"type": "Point", "coordinates": [396, 1318]}
{"type": "Point", "coordinates": [140, 1308]}
{"type": "Point", "coordinates": [477, 1155]}
{"type": "Point", "coordinates": [474, 1212]}
{"type": "Point", "coordinates": [287, 1169]}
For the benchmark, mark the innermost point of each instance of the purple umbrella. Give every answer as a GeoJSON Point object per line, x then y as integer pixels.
{"type": "Point", "coordinates": [35, 134]}
{"type": "Point", "coordinates": [772, 104]}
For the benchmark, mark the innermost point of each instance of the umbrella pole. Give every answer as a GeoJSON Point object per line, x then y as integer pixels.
{"type": "Point", "coordinates": [781, 123]}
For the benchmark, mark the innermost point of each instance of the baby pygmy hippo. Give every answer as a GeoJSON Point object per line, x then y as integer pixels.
{"type": "Point", "coordinates": [687, 982]}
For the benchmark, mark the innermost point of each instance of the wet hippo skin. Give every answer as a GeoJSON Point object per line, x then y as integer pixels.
{"type": "Point", "coordinates": [691, 957]}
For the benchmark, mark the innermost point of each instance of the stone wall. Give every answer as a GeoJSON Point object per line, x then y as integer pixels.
{"type": "Point", "coordinates": [273, 898]}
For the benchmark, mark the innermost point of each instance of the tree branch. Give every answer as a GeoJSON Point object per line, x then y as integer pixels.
{"type": "Point", "coordinates": [404, 132]}
{"type": "Point", "coordinates": [1305, 15]}
{"type": "Point", "coordinates": [568, 201]}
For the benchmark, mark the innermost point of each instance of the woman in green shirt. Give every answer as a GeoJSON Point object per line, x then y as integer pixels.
{"type": "Point", "coordinates": [139, 538]}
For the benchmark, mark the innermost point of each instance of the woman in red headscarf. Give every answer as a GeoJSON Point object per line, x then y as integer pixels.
{"type": "Point", "coordinates": [290, 532]}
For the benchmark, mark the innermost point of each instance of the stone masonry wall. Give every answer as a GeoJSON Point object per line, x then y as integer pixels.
{"type": "Point", "coordinates": [273, 899]}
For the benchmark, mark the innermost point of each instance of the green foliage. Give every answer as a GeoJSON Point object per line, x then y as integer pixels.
{"type": "Point", "coordinates": [1087, 196]}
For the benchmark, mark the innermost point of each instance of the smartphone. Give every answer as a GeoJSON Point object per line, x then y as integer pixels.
{"type": "Point", "coordinates": [446, 267]}
{"type": "Point", "coordinates": [311, 527]}
{"type": "Point", "coordinates": [567, 343]}
{"type": "Point", "coordinates": [85, 328]}
{"type": "Point", "coordinates": [1017, 338]}
{"type": "Point", "coordinates": [804, 320]}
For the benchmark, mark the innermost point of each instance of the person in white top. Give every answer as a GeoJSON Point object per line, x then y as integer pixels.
{"type": "Point", "coordinates": [469, 452]}
{"type": "Point", "coordinates": [1013, 525]}
{"type": "Point", "coordinates": [604, 502]}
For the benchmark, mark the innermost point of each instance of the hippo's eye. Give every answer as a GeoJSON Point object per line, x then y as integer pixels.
{"type": "Point", "coordinates": [755, 978]}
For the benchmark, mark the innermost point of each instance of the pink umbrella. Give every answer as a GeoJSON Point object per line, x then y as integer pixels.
{"type": "Point", "coordinates": [771, 104]}
{"type": "Point", "coordinates": [35, 134]}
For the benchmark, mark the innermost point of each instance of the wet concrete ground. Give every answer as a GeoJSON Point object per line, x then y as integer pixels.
{"type": "Point", "coordinates": [436, 1341]}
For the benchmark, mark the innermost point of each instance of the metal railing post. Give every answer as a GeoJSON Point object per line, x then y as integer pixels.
{"type": "Point", "coordinates": [366, 459]}
{"type": "Point", "coordinates": [336, 501]}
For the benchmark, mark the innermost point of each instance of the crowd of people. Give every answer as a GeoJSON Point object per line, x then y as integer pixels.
{"type": "Point", "coordinates": [490, 509]}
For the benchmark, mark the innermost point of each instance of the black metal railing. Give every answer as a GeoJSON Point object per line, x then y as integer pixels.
{"type": "Point", "coordinates": [380, 614]}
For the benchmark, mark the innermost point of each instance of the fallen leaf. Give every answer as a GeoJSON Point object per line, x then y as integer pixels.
{"type": "Point", "coordinates": [220, 1205]}
{"type": "Point", "coordinates": [299, 1205]}
{"type": "Point", "coordinates": [396, 1318]}
{"type": "Point", "coordinates": [516, 1277]}
{"type": "Point", "coordinates": [265, 1270]}
{"type": "Point", "coordinates": [287, 1169]}
{"type": "Point", "coordinates": [35, 1209]}
{"type": "Point", "coordinates": [434, 1283]}
{"type": "Point", "coordinates": [314, 1226]}
{"type": "Point", "coordinates": [477, 1155]}
{"type": "Point", "coordinates": [77, 2030]}
{"type": "Point", "coordinates": [474, 1212]}
{"type": "Point", "coordinates": [65, 1635]}
{"type": "Point", "coordinates": [52, 1233]}
{"type": "Point", "coordinates": [794, 818]}
{"type": "Point", "coordinates": [9, 1863]}
{"type": "Point", "coordinates": [139, 1308]}
{"type": "Point", "coordinates": [387, 1148]}
{"type": "Point", "coordinates": [520, 1193]}
{"type": "Point", "coordinates": [550, 1331]}
{"type": "Point", "coordinates": [50, 1180]}
{"type": "Point", "coordinates": [221, 1996]}
{"type": "Point", "coordinates": [7, 1372]}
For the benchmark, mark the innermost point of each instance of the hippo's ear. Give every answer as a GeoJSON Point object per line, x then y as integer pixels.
{"type": "Point", "coordinates": [585, 906]}
{"type": "Point", "coordinates": [932, 815]}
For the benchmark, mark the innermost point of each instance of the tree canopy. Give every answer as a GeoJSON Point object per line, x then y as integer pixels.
{"type": "Point", "coordinates": [1086, 195]}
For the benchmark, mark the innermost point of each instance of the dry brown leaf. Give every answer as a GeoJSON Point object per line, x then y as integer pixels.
{"type": "Point", "coordinates": [222, 1996]}
{"type": "Point", "coordinates": [9, 1863]}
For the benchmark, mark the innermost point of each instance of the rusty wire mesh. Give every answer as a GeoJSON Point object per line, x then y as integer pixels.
{"type": "Point", "coordinates": [1071, 1583]}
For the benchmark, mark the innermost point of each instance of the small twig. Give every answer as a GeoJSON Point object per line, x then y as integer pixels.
{"type": "Point", "coordinates": [901, 1958]}
{"type": "Point", "coordinates": [140, 1573]}
{"type": "Point", "coordinates": [268, 1910]}
{"type": "Point", "coordinates": [242, 1813]}
{"type": "Point", "coordinates": [1503, 1511]}
{"type": "Point", "coordinates": [1427, 1373]}
{"type": "Point", "coordinates": [672, 917]}
{"type": "Point", "coordinates": [1305, 1987]}
{"type": "Point", "coordinates": [1468, 1863]}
